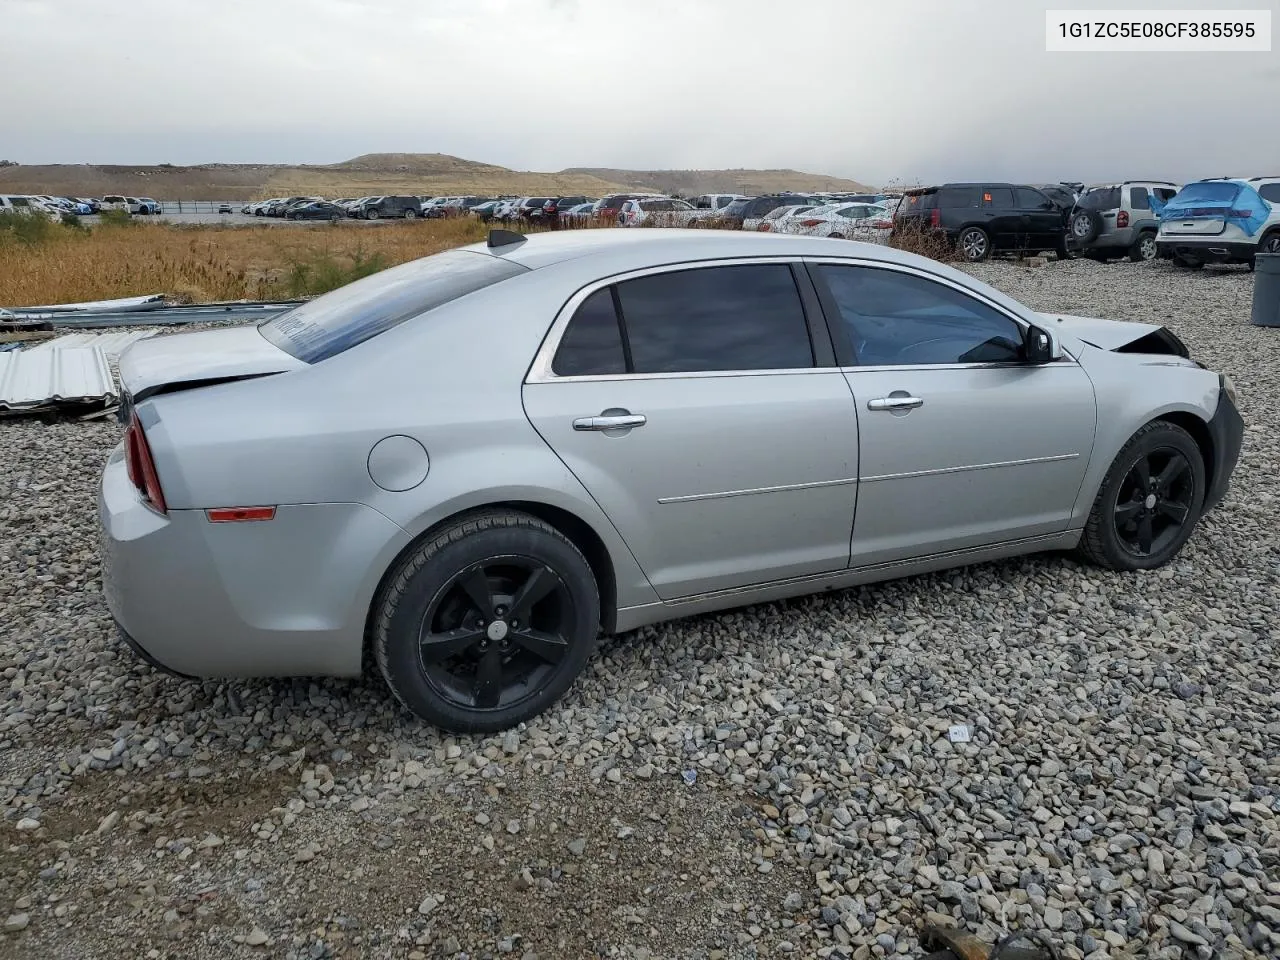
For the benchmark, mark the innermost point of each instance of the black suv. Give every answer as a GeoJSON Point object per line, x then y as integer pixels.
{"type": "Point", "coordinates": [732, 216]}
{"type": "Point", "coordinates": [985, 218]}
{"type": "Point", "coordinates": [407, 207]}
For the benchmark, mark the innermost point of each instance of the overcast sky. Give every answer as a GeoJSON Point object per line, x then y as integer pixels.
{"type": "Point", "coordinates": [878, 90]}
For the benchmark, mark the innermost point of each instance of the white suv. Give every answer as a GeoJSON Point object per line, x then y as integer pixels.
{"type": "Point", "coordinates": [1206, 235]}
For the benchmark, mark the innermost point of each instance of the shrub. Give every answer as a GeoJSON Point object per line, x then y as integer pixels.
{"type": "Point", "coordinates": [115, 218]}
{"type": "Point", "coordinates": [32, 229]}
{"type": "Point", "coordinates": [324, 272]}
{"type": "Point", "coordinates": [924, 241]}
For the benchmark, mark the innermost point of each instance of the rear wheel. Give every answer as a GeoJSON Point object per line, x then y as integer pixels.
{"type": "Point", "coordinates": [836, 236]}
{"type": "Point", "coordinates": [487, 623]}
{"type": "Point", "coordinates": [410, 214]}
{"type": "Point", "coordinates": [1144, 248]}
{"type": "Point", "coordinates": [1270, 243]}
{"type": "Point", "coordinates": [1149, 501]}
{"type": "Point", "coordinates": [974, 244]}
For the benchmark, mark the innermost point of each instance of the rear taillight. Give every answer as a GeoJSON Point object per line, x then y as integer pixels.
{"type": "Point", "coordinates": [811, 223]}
{"type": "Point", "coordinates": [935, 218]}
{"type": "Point", "coordinates": [1239, 214]}
{"type": "Point", "coordinates": [764, 227]}
{"type": "Point", "coordinates": [1122, 218]}
{"type": "Point", "coordinates": [141, 467]}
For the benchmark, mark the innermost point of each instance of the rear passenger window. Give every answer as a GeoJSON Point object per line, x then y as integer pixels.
{"type": "Point", "coordinates": [1270, 192]}
{"type": "Point", "coordinates": [592, 345]}
{"type": "Point", "coordinates": [715, 318]}
{"type": "Point", "coordinates": [1139, 199]}
{"type": "Point", "coordinates": [999, 197]}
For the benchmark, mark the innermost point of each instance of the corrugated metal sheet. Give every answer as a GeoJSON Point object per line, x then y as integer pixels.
{"type": "Point", "coordinates": [31, 379]}
{"type": "Point", "coordinates": [111, 344]}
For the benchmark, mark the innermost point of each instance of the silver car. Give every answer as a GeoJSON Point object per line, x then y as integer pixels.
{"type": "Point", "coordinates": [473, 464]}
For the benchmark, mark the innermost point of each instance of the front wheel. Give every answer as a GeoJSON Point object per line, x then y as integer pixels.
{"type": "Point", "coordinates": [1149, 501]}
{"type": "Point", "coordinates": [371, 214]}
{"type": "Point", "coordinates": [974, 244]}
{"type": "Point", "coordinates": [1144, 248]}
{"type": "Point", "coordinates": [487, 623]}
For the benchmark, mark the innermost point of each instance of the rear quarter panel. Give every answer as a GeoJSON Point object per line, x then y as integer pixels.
{"type": "Point", "coordinates": [451, 380]}
{"type": "Point", "coordinates": [1132, 390]}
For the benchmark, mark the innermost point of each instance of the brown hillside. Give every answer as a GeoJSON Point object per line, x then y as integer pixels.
{"type": "Point", "coordinates": [426, 174]}
{"type": "Point", "coordinates": [693, 182]}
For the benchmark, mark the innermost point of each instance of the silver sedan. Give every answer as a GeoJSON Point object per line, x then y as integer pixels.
{"type": "Point", "coordinates": [473, 464]}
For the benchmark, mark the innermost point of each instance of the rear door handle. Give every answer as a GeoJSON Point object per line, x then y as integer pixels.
{"type": "Point", "coordinates": [895, 403]}
{"type": "Point", "coordinates": [618, 422]}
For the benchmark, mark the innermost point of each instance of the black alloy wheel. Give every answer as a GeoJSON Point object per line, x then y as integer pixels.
{"type": "Point", "coordinates": [495, 631]}
{"type": "Point", "coordinates": [1154, 502]}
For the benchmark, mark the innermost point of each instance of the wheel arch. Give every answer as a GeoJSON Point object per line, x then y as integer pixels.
{"type": "Point", "coordinates": [1199, 430]}
{"type": "Point", "coordinates": [578, 531]}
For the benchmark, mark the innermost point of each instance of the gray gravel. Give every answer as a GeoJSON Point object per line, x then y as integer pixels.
{"type": "Point", "coordinates": [766, 782]}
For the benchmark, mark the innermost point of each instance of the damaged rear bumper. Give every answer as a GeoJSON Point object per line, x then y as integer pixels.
{"type": "Point", "coordinates": [1226, 429]}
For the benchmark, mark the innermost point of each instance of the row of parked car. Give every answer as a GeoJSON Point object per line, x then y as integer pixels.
{"type": "Point", "coordinates": [58, 207]}
{"type": "Point", "coordinates": [1217, 220]}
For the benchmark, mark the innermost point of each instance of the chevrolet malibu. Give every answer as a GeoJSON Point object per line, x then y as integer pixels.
{"type": "Point", "coordinates": [474, 464]}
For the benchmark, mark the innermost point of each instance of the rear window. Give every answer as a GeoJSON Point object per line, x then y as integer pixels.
{"type": "Point", "coordinates": [737, 208]}
{"type": "Point", "coordinates": [952, 197]}
{"type": "Point", "coordinates": [1103, 198]}
{"type": "Point", "coordinates": [1217, 192]}
{"type": "Point", "coordinates": [350, 315]}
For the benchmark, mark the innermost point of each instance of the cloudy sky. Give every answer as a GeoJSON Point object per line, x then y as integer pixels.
{"type": "Point", "coordinates": [879, 90]}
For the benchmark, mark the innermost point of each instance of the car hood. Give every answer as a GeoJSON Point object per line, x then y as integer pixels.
{"type": "Point", "coordinates": [1118, 335]}
{"type": "Point", "coordinates": [198, 359]}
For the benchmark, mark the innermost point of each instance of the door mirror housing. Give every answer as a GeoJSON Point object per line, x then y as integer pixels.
{"type": "Point", "coordinates": [1039, 346]}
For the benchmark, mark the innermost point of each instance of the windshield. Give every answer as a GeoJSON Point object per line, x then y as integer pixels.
{"type": "Point", "coordinates": [337, 321]}
{"type": "Point", "coordinates": [736, 208]}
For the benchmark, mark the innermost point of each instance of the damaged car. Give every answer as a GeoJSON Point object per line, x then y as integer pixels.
{"type": "Point", "coordinates": [472, 465]}
{"type": "Point", "coordinates": [1221, 221]}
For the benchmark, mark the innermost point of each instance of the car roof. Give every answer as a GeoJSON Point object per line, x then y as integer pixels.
{"type": "Point", "coordinates": [638, 249]}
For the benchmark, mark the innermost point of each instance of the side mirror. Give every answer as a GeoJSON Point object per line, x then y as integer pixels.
{"type": "Point", "coordinates": [1038, 346]}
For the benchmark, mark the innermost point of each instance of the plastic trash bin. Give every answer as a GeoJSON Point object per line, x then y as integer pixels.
{"type": "Point", "coordinates": [1266, 290]}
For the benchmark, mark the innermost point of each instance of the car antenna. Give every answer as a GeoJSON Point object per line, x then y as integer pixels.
{"type": "Point", "coordinates": [504, 238]}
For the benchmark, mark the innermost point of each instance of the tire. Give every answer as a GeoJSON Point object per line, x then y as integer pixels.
{"type": "Point", "coordinates": [1085, 225]}
{"type": "Point", "coordinates": [296, 216]}
{"type": "Point", "coordinates": [410, 214]}
{"type": "Point", "coordinates": [425, 591]}
{"type": "Point", "coordinates": [334, 218]}
{"type": "Point", "coordinates": [1123, 504]}
{"type": "Point", "coordinates": [1144, 248]}
{"type": "Point", "coordinates": [1270, 243]}
{"type": "Point", "coordinates": [974, 244]}
{"type": "Point", "coordinates": [371, 214]}
{"type": "Point", "coordinates": [835, 236]}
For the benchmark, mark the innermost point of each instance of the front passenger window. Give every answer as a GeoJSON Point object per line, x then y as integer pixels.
{"type": "Point", "coordinates": [901, 319]}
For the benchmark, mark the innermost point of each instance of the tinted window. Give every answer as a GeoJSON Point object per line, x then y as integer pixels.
{"type": "Point", "coordinates": [999, 197]}
{"type": "Point", "coordinates": [1103, 198]}
{"type": "Point", "coordinates": [593, 342]}
{"type": "Point", "coordinates": [896, 318]}
{"type": "Point", "coordinates": [1270, 192]}
{"type": "Point", "coordinates": [1029, 199]}
{"type": "Point", "coordinates": [659, 205]}
{"type": "Point", "coordinates": [1139, 199]}
{"type": "Point", "coordinates": [352, 314]}
{"type": "Point", "coordinates": [1166, 193]}
{"type": "Point", "coordinates": [950, 197]}
{"type": "Point", "coordinates": [715, 318]}
{"type": "Point", "coordinates": [737, 208]}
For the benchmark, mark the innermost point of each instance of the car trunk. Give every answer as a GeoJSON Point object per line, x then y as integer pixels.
{"type": "Point", "coordinates": [184, 361]}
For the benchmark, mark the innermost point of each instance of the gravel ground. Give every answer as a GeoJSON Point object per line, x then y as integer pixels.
{"type": "Point", "coordinates": [766, 782]}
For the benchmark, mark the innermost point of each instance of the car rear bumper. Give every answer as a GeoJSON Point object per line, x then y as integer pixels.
{"type": "Point", "coordinates": [1206, 250]}
{"type": "Point", "coordinates": [1226, 429]}
{"type": "Point", "coordinates": [285, 597]}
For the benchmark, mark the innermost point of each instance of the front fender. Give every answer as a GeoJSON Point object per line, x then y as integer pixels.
{"type": "Point", "coordinates": [1132, 390]}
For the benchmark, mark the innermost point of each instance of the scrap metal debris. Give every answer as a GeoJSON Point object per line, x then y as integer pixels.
{"type": "Point", "coordinates": [39, 379]}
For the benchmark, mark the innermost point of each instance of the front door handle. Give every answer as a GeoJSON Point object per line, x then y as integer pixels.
{"type": "Point", "coordinates": [616, 422]}
{"type": "Point", "coordinates": [895, 403]}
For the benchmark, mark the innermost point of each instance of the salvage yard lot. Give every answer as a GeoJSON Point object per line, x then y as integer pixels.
{"type": "Point", "coordinates": [1120, 789]}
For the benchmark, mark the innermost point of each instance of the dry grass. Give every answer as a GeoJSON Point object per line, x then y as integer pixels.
{"type": "Point", "coordinates": [202, 264]}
